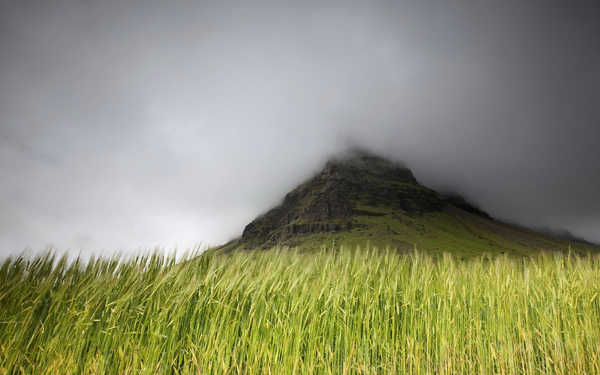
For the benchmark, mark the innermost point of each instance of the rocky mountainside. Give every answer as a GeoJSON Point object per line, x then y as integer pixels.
{"type": "Point", "coordinates": [331, 201]}
{"type": "Point", "coordinates": [359, 197]}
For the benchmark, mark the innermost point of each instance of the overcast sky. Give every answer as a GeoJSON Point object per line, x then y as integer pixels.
{"type": "Point", "coordinates": [132, 124]}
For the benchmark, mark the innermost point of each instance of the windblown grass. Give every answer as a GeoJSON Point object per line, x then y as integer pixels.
{"type": "Point", "coordinates": [282, 312]}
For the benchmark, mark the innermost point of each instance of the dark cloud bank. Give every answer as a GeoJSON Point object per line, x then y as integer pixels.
{"type": "Point", "coordinates": [130, 124]}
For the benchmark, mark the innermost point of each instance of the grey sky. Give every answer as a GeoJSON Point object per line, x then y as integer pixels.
{"type": "Point", "coordinates": [128, 124]}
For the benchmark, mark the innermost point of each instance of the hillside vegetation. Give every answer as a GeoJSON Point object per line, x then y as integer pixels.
{"type": "Point", "coordinates": [334, 311]}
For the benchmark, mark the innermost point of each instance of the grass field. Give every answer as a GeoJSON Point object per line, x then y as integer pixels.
{"type": "Point", "coordinates": [337, 311]}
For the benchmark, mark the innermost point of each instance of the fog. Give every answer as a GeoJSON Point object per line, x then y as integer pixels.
{"type": "Point", "coordinates": [134, 124]}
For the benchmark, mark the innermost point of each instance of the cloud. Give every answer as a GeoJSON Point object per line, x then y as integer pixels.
{"type": "Point", "coordinates": [128, 124]}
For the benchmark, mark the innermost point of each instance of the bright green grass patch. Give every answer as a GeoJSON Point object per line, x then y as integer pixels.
{"type": "Point", "coordinates": [282, 312]}
{"type": "Point", "coordinates": [464, 235]}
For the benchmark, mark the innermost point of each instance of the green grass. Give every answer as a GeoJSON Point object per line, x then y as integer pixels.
{"type": "Point", "coordinates": [452, 230]}
{"type": "Point", "coordinates": [334, 311]}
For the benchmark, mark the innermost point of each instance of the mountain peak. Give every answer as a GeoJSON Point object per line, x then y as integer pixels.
{"type": "Point", "coordinates": [352, 184]}
{"type": "Point", "coordinates": [359, 197]}
{"type": "Point", "coordinates": [359, 158]}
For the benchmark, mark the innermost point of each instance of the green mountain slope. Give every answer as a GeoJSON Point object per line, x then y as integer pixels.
{"type": "Point", "coordinates": [360, 198]}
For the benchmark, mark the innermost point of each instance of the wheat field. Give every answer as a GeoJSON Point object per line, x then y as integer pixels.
{"type": "Point", "coordinates": [335, 311]}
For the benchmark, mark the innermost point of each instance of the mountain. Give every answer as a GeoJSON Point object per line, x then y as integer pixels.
{"type": "Point", "coordinates": [360, 198]}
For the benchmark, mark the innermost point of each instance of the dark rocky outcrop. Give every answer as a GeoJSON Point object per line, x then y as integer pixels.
{"type": "Point", "coordinates": [460, 202]}
{"type": "Point", "coordinates": [356, 184]}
